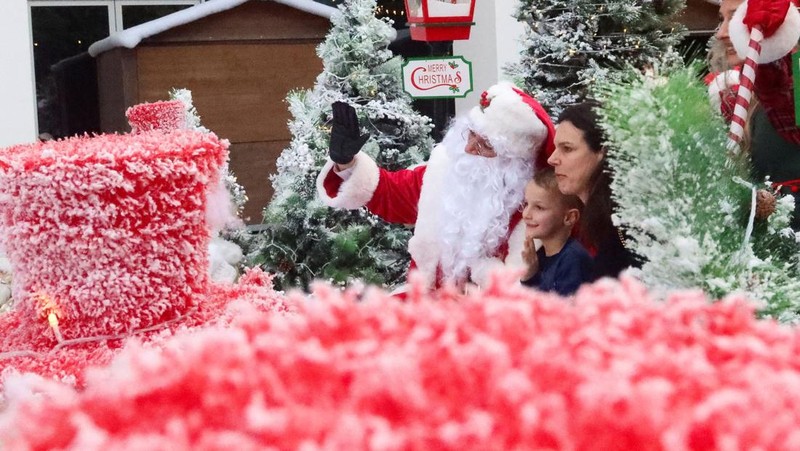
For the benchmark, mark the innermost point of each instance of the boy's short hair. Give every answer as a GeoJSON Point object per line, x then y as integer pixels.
{"type": "Point", "coordinates": [546, 179]}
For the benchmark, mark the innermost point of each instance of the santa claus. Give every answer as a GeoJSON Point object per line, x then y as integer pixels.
{"type": "Point", "coordinates": [465, 202]}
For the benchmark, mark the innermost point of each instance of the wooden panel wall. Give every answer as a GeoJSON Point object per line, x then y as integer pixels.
{"type": "Point", "coordinates": [239, 91]}
{"type": "Point", "coordinates": [118, 88]}
{"type": "Point", "coordinates": [252, 163]}
{"type": "Point", "coordinates": [700, 16]}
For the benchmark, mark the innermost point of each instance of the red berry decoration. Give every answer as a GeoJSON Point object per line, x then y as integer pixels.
{"type": "Point", "coordinates": [485, 101]}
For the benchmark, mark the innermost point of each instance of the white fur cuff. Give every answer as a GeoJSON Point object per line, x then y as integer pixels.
{"type": "Point", "coordinates": [357, 190]}
{"type": "Point", "coordinates": [774, 47]}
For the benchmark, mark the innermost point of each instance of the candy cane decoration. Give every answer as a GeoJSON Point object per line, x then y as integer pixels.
{"type": "Point", "coordinates": [745, 93]}
{"type": "Point", "coordinates": [770, 29]}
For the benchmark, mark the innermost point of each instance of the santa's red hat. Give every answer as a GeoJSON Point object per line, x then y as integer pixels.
{"type": "Point", "coordinates": [514, 123]}
{"type": "Point", "coordinates": [780, 21]}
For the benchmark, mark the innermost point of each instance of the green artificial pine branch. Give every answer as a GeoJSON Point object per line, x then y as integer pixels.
{"type": "Point", "coordinates": [686, 201]}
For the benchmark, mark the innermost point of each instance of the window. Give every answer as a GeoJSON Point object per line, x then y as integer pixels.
{"type": "Point", "coordinates": [133, 14]}
{"type": "Point", "coordinates": [60, 35]}
{"type": "Point", "coordinates": [66, 77]}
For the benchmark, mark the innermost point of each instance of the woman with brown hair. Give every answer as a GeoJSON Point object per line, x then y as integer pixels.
{"type": "Point", "coordinates": [580, 166]}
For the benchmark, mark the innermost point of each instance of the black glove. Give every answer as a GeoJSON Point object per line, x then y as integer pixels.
{"type": "Point", "coordinates": [345, 139]}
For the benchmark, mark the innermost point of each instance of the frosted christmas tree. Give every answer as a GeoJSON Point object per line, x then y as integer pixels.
{"type": "Point", "coordinates": [571, 45]}
{"type": "Point", "coordinates": [689, 206]}
{"type": "Point", "coordinates": [305, 239]}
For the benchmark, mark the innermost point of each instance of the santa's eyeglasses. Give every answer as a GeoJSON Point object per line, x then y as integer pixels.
{"type": "Point", "coordinates": [482, 145]}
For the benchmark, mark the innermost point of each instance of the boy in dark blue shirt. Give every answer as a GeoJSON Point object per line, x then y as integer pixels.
{"type": "Point", "coordinates": [561, 264]}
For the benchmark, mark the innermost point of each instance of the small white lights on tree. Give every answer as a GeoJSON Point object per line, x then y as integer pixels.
{"type": "Point", "coordinates": [558, 31]}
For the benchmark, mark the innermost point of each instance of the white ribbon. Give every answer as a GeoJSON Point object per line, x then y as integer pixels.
{"type": "Point", "coordinates": [748, 232]}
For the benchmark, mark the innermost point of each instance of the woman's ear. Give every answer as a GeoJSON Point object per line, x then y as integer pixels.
{"type": "Point", "coordinates": [571, 217]}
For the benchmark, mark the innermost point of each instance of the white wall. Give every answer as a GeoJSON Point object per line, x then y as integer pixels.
{"type": "Point", "coordinates": [493, 42]}
{"type": "Point", "coordinates": [17, 92]}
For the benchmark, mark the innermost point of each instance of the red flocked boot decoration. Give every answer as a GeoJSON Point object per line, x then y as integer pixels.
{"type": "Point", "coordinates": [104, 232]}
{"type": "Point", "coordinates": [165, 115]}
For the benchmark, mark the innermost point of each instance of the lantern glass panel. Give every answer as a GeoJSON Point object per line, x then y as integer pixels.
{"type": "Point", "coordinates": [448, 8]}
{"type": "Point", "coordinates": [414, 8]}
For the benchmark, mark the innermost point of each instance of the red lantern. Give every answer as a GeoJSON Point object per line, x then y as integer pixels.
{"type": "Point", "coordinates": [440, 20]}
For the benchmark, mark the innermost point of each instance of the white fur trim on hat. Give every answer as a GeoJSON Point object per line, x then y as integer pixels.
{"type": "Point", "coordinates": [357, 190]}
{"type": "Point", "coordinates": [724, 80]}
{"type": "Point", "coordinates": [774, 47]}
{"type": "Point", "coordinates": [510, 124]}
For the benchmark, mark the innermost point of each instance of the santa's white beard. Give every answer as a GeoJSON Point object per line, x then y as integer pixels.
{"type": "Point", "coordinates": [480, 194]}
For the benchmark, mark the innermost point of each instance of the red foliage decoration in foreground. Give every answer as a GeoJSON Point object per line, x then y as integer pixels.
{"type": "Point", "coordinates": [508, 368]}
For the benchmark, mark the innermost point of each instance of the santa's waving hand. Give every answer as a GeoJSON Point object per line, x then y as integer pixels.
{"type": "Point", "coordinates": [464, 202]}
{"type": "Point", "coordinates": [346, 139]}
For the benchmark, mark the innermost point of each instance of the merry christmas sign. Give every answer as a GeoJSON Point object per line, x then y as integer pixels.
{"type": "Point", "coordinates": [430, 78]}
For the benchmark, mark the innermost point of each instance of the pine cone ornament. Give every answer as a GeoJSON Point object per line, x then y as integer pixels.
{"type": "Point", "coordinates": [765, 204]}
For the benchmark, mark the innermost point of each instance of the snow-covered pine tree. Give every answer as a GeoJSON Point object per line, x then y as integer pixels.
{"type": "Point", "coordinates": [569, 45]}
{"type": "Point", "coordinates": [687, 205]}
{"type": "Point", "coordinates": [303, 239]}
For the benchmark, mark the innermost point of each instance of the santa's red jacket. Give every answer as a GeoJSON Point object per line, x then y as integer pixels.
{"type": "Point", "coordinates": [410, 196]}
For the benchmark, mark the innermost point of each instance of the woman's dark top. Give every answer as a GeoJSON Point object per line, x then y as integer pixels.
{"type": "Point", "coordinates": [611, 256]}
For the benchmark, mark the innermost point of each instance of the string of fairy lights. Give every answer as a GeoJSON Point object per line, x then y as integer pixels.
{"type": "Point", "coordinates": [624, 41]}
{"type": "Point", "coordinates": [392, 9]}
{"type": "Point", "coordinates": [52, 319]}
